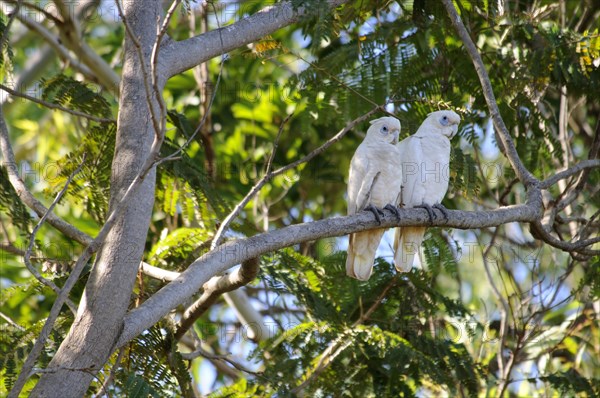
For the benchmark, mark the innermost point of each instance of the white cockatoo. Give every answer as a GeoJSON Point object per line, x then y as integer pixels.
{"type": "Point", "coordinates": [373, 183]}
{"type": "Point", "coordinates": [425, 172]}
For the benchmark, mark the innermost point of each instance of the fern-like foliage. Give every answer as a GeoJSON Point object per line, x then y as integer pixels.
{"type": "Point", "coordinates": [10, 204]}
{"type": "Point", "coordinates": [6, 52]}
{"type": "Point", "coordinates": [388, 353]}
{"type": "Point", "coordinates": [70, 93]}
{"type": "Point", "coordinates": [92, 185]}
{"type": "Point", "coordinates": [152, 367]}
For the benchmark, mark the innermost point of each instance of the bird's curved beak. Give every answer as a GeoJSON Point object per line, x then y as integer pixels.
{"type": "Point", "coordinates": [454, 130]}
{"type": "Point", "coordinates": [396, 137]}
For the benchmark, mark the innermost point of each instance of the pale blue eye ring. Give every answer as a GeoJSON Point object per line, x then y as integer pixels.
{"type": "Point", "coordinates": [384, 130]}
{"type": "Point", "coordinates": [444, 121]}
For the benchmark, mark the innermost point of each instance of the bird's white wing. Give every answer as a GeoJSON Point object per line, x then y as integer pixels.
{"type": "Point", "coordinates": [407, 240]}
{"type": "Point", "coordinates": [411, 153]}
{"type": "Point", "coordinates": [372, 181]}
{"type": "Point", "coordinates": [364, 172]}
{"type": "Point", "coordinates": [358, 171]}
{"type": "Point", "coordinates": [435, 170]}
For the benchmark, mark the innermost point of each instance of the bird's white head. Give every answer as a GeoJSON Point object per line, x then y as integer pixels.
{"type": "Point", "coordinates": [386, 129]}
{"type": "Point", "coordinates": [441, 122]}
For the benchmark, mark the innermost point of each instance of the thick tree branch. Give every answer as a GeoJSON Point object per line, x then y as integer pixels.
{"type": "Point", "coordinates": [235, 252]}
{"type": "Point", "coordinates": [214, 288]}
{"type": "Point", "coordinates": [158, 273]}
{"type": "Point", "coordinates": [184, 55]}
{"type": "Point", "coordinates": [521, 171]}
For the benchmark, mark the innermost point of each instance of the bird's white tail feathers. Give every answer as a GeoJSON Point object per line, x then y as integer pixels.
{"type": "Point", "coordinates": [361, 253]}
{"type": "Point", "coordinates": [407, 241]}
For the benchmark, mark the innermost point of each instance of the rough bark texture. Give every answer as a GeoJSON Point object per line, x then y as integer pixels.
{"type": "Point", "coordinates": [105, 301]}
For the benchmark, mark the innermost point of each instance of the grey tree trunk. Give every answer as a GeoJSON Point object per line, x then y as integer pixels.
{"type": "Point", "coordinates": [107, 295]}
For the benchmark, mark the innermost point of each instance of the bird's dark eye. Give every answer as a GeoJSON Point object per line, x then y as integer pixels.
{"type": "Point", "coordinates": [444, 120]}
{"type": "Point", "coordinates": [384, 129]}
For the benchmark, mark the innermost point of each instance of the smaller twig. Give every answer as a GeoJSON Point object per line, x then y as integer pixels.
{"type": "Point", "coordinates": [158, 273]}
{"type": "Point", "coordinates": [111, 375]}
{"type": "Point", "coordinates": [27, 256]}
{"type": "Point", "coordinates": [276, 144]}
{"type": "Point", "coordinates": [256, 188]}
{"type": "Point", "coordinates": [154, 57]}
{"type": "Point", "coordinates": [10, 321]}
{"type": "Point", "coordinates": [584, 164]}
{"type": "Point", "coordinates": [156, 124]}
{"type": "Point", "coordinates": [510, 150]}
{"type": "Point", "coordinates": [55, 106]}
{"type": "Point", "coordinates": [12, 249]}
{"type": "Point", "coordinates": [174, 155]}
{"type": "Point", "coordinates": [503, 314]}
{"type": "Point", "coordinates": [192, 340]}
{"type": "Point", "coordinates": [200, 352]}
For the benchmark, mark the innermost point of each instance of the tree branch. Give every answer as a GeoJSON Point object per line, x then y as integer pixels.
{"type": "Point", "coordinates": [53, 41]}
{"type": "Point", "coordinates": [235, 252]}
{"type": "Point", "coordinates": [27, 255]}
{"type": "Point", "coordinates": [561, 175]}
{"type": "Point", "coordinates": [253, 191]}
{"type": "Point", "coordinates": [521, 171]}
{"type": "Point", "coordinates": [214, 288]}
{"type": "Point", "coordinates": [70, 34]}
{"type": "Point", "coordinates": [184, 55]}
{"type": "Point", "coordinates": [37, 64]}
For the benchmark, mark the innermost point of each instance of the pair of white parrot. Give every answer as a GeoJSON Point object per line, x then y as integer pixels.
{"type": "Point", "coordinates": [385, 173]}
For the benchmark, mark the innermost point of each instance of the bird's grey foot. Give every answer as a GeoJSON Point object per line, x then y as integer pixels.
{"type": "Point", "coordinates": [430, 212]}
{"type": "Point", "coordinates": [395, 211]}
{"type": "Point", "coordinates": [443, 209]}
{"type": "Point", "coordinates": [377, 212]}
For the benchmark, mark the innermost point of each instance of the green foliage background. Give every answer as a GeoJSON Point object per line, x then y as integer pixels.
{"type": "Point", "coordinates": [435, 332]}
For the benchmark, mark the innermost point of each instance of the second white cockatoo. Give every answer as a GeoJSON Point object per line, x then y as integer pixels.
{"type": "Point", "coordinates": [373, 183]}
{"type": "Point", "coordinates": [425, 172]}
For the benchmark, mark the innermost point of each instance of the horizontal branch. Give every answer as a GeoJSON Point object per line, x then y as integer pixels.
{"type": "Point", "coordinates": [238, 251]}
{"type": "Point", "coordinates": [183, 55]}
{"type": "Point", "coordinates": [583, 165]}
